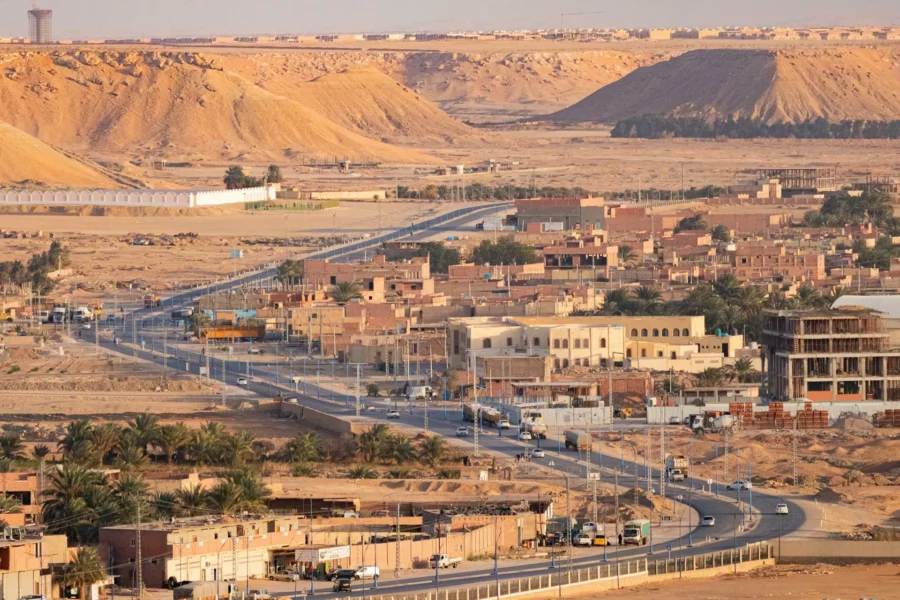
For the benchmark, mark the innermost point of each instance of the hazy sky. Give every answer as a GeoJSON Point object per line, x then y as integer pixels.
{"type": "Point", "coordinates": [134, 18]}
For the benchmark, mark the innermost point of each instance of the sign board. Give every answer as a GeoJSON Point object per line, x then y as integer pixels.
{"type": "Point", "coordinates": [669, 547]}
{"type": "Point", "coordinates": [316, 555]}
{"type": "Point", "coordinates": [709, 482]}
{"type": "Point", "coordinates": [594, 476]}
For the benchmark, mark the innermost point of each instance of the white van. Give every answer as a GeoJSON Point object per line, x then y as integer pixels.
{"type": "Point", "coordinates": [367, 572]}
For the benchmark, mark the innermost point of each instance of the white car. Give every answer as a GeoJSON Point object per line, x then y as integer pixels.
{"type": "Point", "coordinates": [367, 572]}
{"type": "Point", "coordinates": [462, 432]}
{"type": "Point", "coordinates": [242, 381]}
{"type": "Point", "coordinates": [739, 485]}
{"type": "Point", "coordinates": [674, 421]}
{"type": "Point", "coordinates": [393, 414]}
{"type": "Point", "coordinates": [285, 576]}
{"type": "Point", "coordinates": [504, 424]}
{"type": "Point", "coordinates": [707, 521]}
{"type": "Point", "coordinates": [781, 509]}
{"type": "Point", "coordinates": [524, 436]}
{"type": "Point", "coordinates": [538, 453]}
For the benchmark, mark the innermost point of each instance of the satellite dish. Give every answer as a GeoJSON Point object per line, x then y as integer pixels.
{"type": "Point", "coordinates": [487, 275]}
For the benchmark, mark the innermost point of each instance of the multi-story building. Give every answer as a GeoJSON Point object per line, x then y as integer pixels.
{"type": "Point", "coordinates": [767, 262]}
{"type": "Point", "coordinates": [830, 355]}
{"type": "Point", "coordinates": [568, 214]}
{"type": "Point", "coordinates": [25, 488]}
{"type": "Point", "coordinates": [26, 563]}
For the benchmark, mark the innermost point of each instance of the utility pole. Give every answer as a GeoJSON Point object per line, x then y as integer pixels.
{"type": "Point", "coordinates": [595, 501]}
{"type": "Point", "coordinates": [357, 390]}
{"type": "Point", "coordinates": [397, 557]}
{"type": "Point", "coordinates": [137, 559]}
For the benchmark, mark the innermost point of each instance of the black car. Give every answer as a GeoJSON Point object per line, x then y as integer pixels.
{"type": "Point", "coordinates": [342, 585]}
{"type": "Point", "coordinates": [342, 574]}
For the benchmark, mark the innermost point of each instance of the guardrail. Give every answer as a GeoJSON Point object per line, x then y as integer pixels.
{"type": "Point", "coordinates": [605, 572]}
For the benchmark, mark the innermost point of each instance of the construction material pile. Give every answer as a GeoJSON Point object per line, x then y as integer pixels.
{"type": "Point", "coordinates": [777, 418]}
{"type": "Point", "coordinates": [888, 418]}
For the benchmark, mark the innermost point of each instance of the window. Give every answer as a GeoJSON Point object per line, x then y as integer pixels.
{"type": "Point", "coordinates": [665, 333]}
{"type": "Point", "coordinates": [685, 333]}
{"type": "Point", "coordinates": [577, 343]}
{"type": "Point", "coordinates": [656, 333]}
{"type": "Point", "coordinates": [565, 343]}
{"type": "Point", "coordinates": [603, 362]}
{"type": "Point", "coordinates": [556, 343]}
{"type": "Point", "coordinates": [455, 341]}
{"type": "Point", "coordinates": [643, 353]}
{"type": "Point", "coordinates": [585, 343]}
{"type": "Point", "coordinates": [603, 342]}
{"type": "Point", "coordinates": [634, 333]}
{"type": "Point", "coordinates": [628, 353]}
{"type": "Point", "coordinates": [577, 362]}
{"type": "Point", "coordinates": [676, 332]}
{"type": "Point", "coordinates": [659, 354]}
{"type": "Point", "coordinates": [537, 342]}
{"type": "Point", "coordinates": [509, 341]}
{"type": "Point", "coordinates": [643, 333]}
{"type": "Point", "coordinates": [556, 364]}
{"type": "Point", "coordinates": [565, 363]}
{"type": "Point", "coordinates": [673, 356]}
{"type": "Point", "coordinates": [132, 542]}
{"type": "Point", "coordinates": [486, 344]}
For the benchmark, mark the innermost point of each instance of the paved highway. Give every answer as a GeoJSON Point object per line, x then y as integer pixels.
{"type": "Point", "coordinates": [730, 517]}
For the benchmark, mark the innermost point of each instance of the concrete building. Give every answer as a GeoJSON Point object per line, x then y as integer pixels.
{"type": "Point", "coordinates": [26, 563]}
{"type": "Point", "coordinates": [24, 487]}
{"type": "Point", "coordinates": [830, 355]}
{"type": "Point", "coordinates": [755, 262]}
{"type": "Point", "coordinates": [212, 548]}
{"type": "Point", "coordinates": [585, 214]}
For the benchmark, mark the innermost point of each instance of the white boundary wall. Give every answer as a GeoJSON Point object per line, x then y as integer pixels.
{"type": "Point", "coordinates": [153, 198]}
{"type": "Point", "coordinates": [659, 415]}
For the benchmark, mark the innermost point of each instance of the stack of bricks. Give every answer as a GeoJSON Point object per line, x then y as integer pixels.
{"type": "Point", "coordinates": [741, 411]}
{"type": "Point", "coordinates": [888, 418]}
{"type": "Point", "coordinates": [812, 419]}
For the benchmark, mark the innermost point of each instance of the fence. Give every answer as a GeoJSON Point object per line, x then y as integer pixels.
{"type": "Point", "coordinates": [609, 571]}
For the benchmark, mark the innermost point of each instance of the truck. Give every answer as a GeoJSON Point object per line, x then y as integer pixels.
{"type": "Point", "coordinates": [200, 590]}
{"type": "Point", "coordinates": [182, 313]}
{"type": "Point", "coordinates": [420, 392]}
{"type": "Point", "coordinates": [470, 412]}
{"type": "Point", "coordinates": [152, 300]}
{"type": "Point", "coordinates": [442, 561]}
{"type": "Point", "coordinates": [491, 418]}
{"type": "Point", "coordinates": [578, 440]}
{"type": "Point", "coordinates": [676, 467]}
{"type": "Point", "coordinates": [233, 333]}
{"type": "Point", "coordinates": [59, 315]}
{"type": "Point", "coordinates": [636, 532]}
{"type": "Point", "coordinates": [710, 422]}
{"type": "Point", "coordinates": [536, 429]}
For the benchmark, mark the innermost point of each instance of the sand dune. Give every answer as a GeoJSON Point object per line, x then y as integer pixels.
{"type": "Point", "coordinates": [26, 160]}
{"type": "Point", "coordinates": [791, 86]}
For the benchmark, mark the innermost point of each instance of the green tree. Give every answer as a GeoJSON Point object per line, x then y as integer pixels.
{"type": "Point", "coordinates": [710, 377]}
{"type": "Point", "coordinates": [173, 438]}
{"type": "Point", "coordinates": [373, 441]}
{"type": "Point", "coordinates": [12, 448]}
{"type": "Point", "coordinates": [190, 502]}
{"type": "Point", "coordinates": [627, 255]}
{"type": "Point", "coordinates": [439, 256]}
{"type": "Point", "coordinates": [362, 472]}
{"type": "Point", "coordinates": [744, 371]}
{"type": "Point", "coordinates": [145, 427]}
{"type": "Point", "coordinates": [225, 498]}
{"type": "Point", "coordinates": [238, 448]}
{"type": "Point", "coordinates": [694, 223]}
{"type": "Point", "coordinates": [82, 571]}
{"type": "Point", "coordinates": [345, 291]}
{"type": "Point", "coordinates": [504, 251]}
{"type": "Point", "coordinates": [720, 233]}
{"type": "Point", "coordinates": [76, 432]}
{"type": "Point", "coordinates": [290, 273]}
{"type": "Point", "coordinates": [253, 491]}
{"type": "Point", "coordinates": [198, 321]}
{"type": "Point", "coordinates": [273, 174]}
{"type": "Point", "coordinates": [106, 438]}
{"type": "Point", "coordinates": [306, 447]}
{"type": "Point", "coordinates": [40, 452]}
{"type": "Point", "coordinates": [70, 501]}
{"type": "Point", "coordinates": [399, 449]}
{"type": "Point", "coordinates": [372, 390]}
{"type": "Point", "coordinates": [234, 178]}
{"type": "Point", "coordinates": [432, 450]}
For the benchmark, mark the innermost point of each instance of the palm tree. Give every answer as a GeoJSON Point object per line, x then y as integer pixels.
{"type": "Point", "coordinates": [362, 472]}
{"type": "Point", "coordinates": [198, 321]}
{"type": "Point", "coordinates": [130, 492]}
{"type": "Point", "coordinates": [345, 291]}
{"type": "Point", "coordinates": [172, 438]}
{"type": "Point", "coordinates": [145, 428]}
{"type": "Point", "coordinates": [835, 293]}
{"type": "Point", "coordinates": [213, 429]}
{"type": "Point", "coordinates": [106, 438]}
{"type": "Point", "coordinates": [627, 255]}
{"type": "Point", "coordinates": [9, 506]}
{"type": "Point", "coordinates": [751, 299]}
{"type": "Point", "coordinates": [304, 448]}
{"type": "Point", "coordinates": [668, 386]}
{"type": "Point", "coordinates": [777, 300]}
{"type": "Point", "coordinates": [727, 287]}
{"type": "Point", "coordinates": [225, 498]}
{"type": "Point", "coordinates": [204, 448]}
{"type": "Point", "coordinates": [616, 301]}
{"type": "Point", "coordinates": [372, 441]}
{"type": "Point", "coordinates": [131, 456]}
{"type": "Point", "coordinates": [648, 294]}
{"type": "Point", "coordinates": [11, 447]}
{"type": "Point", "coordinates": [710, 377]}
{"type": "Point", "coordinates": [190, 502]}
{"type": "Point", "coordinates": [743, 369]}
{"type": "Point", "coordinates": [431, 450]}
{"type": "Point", "coordinates": [254, 492]}
{"type": "Point", "coordinates": [720, 233]}
{"type": "Point", "coordinates": [76, 432]}
{"type": "Point", "coordinates": [399, 449]}
{"type": "Point", "coordinates": [807, 297]}
{"type": "Point", "coordinates": [238, 448]}
{"type": "Point", "coordinates": [65, 506]}
{"type": "Point", "coordinates": [82, 571]}
{"type": "Point", "coordinates": [290, 273]}
{"type": "Point", "coordinates": [40, 452]}
{"type": "Point", "coordinates": [164, 505]}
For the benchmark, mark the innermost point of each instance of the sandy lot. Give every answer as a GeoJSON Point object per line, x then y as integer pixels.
{"type": "Point", "coordinates": [814, 582]}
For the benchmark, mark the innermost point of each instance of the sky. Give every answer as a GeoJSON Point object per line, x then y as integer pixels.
{"type": "Point", "coordinates": [80, 19]}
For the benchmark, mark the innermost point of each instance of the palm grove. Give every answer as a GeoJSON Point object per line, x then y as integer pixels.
{"type": "Point", "coordinates": [79, 498]}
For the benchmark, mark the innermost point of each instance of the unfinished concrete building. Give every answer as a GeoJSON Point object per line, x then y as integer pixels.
{"type": "Point", "coordinates": [830, 356]}
{"type": "Point", "coordinates": [796, 181]}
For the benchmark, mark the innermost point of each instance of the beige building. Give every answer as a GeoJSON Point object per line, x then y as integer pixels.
{"type": "Point", "coordinates": [659, 343]}
{"type": "Point", "coordinates": [26, 563]}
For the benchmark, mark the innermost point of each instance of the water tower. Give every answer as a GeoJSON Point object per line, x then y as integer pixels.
{"type": "Point", "coordinates": [40, 25]}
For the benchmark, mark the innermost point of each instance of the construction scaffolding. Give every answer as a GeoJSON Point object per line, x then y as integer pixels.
{"type": "Point", "coordinates": [803, 180]}
{"type": "Point", "coordinates": [40, 26]}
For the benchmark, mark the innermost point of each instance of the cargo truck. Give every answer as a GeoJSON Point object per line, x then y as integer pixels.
{"type": "Point", "coordinates": [676, 466]}
{"type": "Point", "coordinates": [577, 440]}
{"type": "Point", "coordinates": [636, 532]}
{"type": "Point", "coordinates": [537, 430]}
{"type": "Point", "coordinates": [710, 423]}
{"type": "Point", "coordinates": [470, 412]}
{"type": "Point", "coordinates": [151, 300]}
{"type": "Point", "coordinates": [442, 561]}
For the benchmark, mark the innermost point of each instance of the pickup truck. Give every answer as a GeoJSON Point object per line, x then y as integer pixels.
{"type": "Point", "coordinates": [442, 561]}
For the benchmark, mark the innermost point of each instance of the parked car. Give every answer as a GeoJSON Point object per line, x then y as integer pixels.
{"type": "Point", "coordinates": [242, 381]}
{"type": "Point", "coordinates": [708, 521]}
{"type": "Point", "coordinates": [287, 575]}
{"type": "Point", "coordinates": [259, 595]}
{"type": "Point", "coordinates": [538, 453]}
{"type": "Point", "coordinates": [393, 414]}
{"type": "Point", "coordinates": [781, 509]}
{"type": "Point", "coordinates": [462, 431]}
{"type": "Point", "coordinates": [504, 424]}
{"type": "Point", "coordinates": [367, 572]}
{"type": "Point", "coordinates": [739, 485]}
{"type": "Point", "coordinates": [524, 436]}
{"type": "Point", "coordinates": [342, 574]}
{"type": "Point", "coordinates": [674, 421]}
